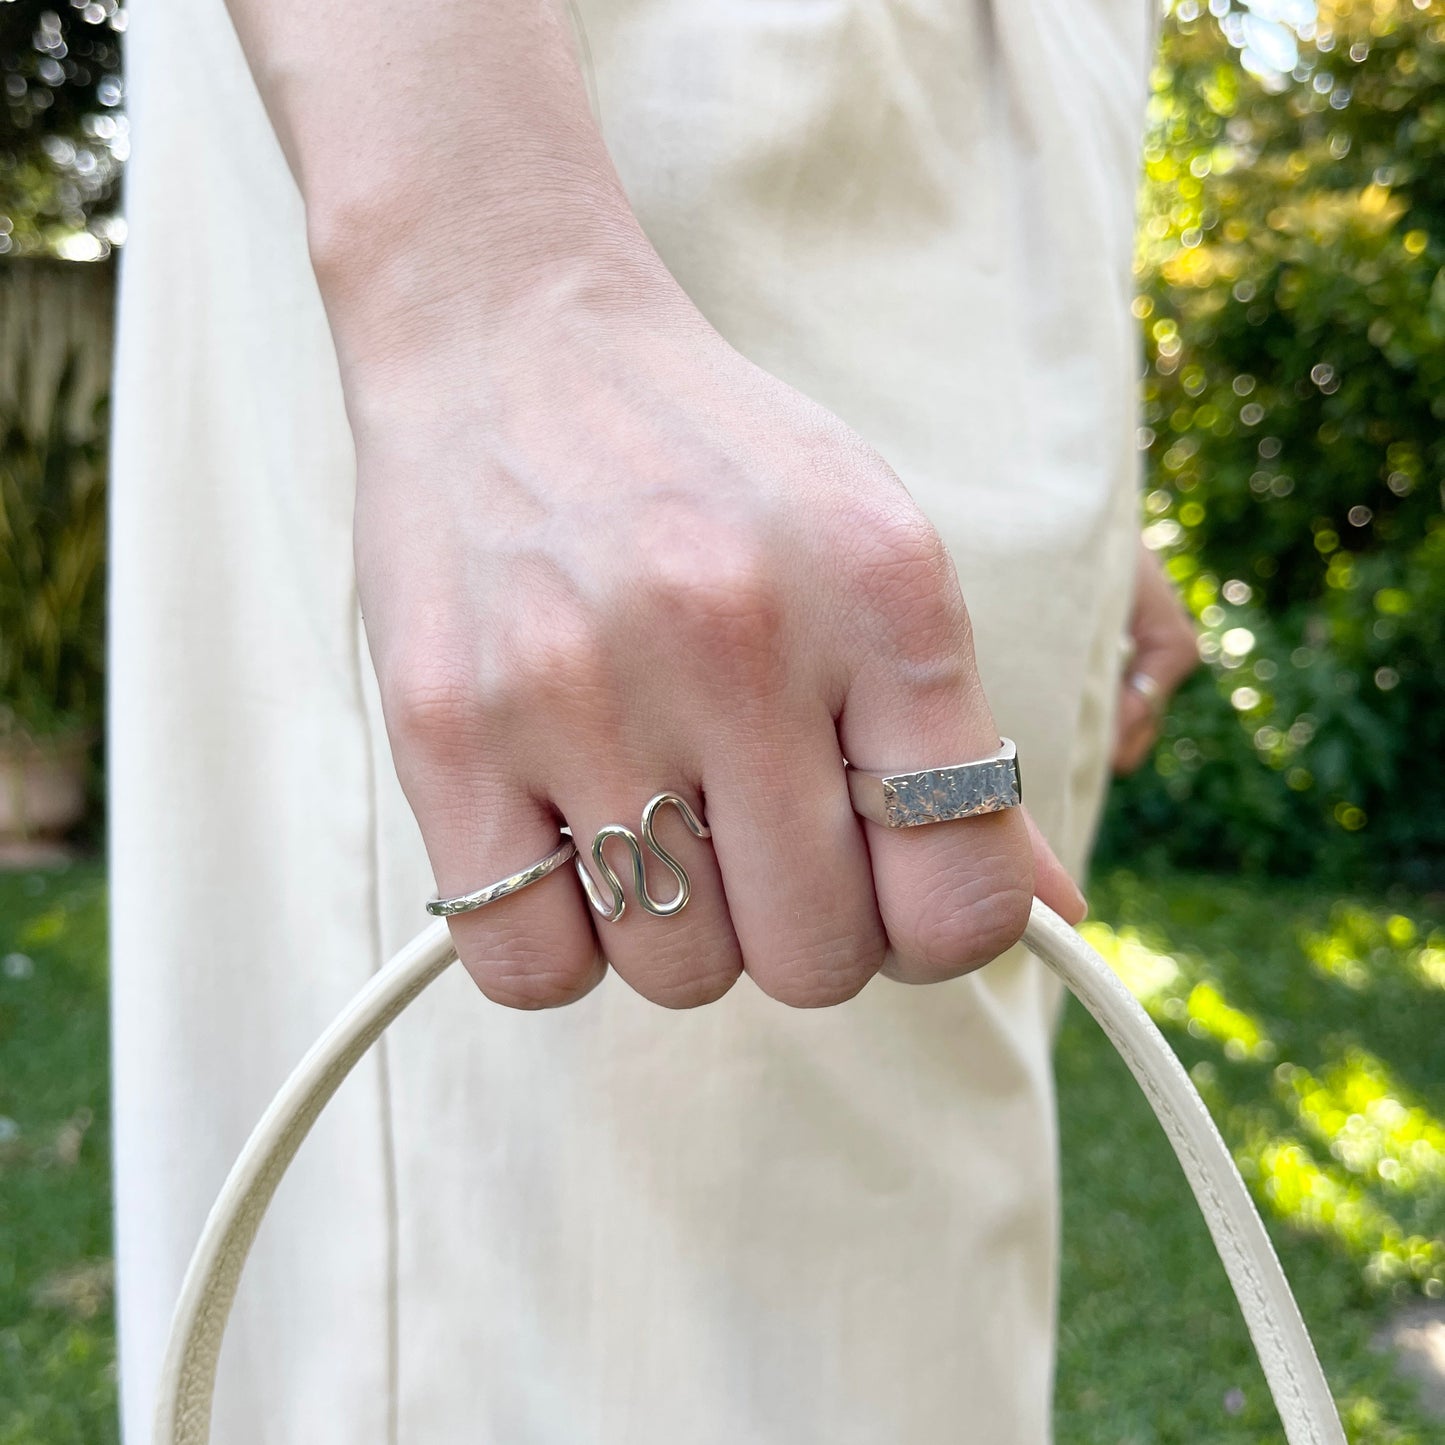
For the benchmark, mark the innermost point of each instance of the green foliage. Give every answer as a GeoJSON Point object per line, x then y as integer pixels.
{"type": "Point", "coordinates": [1293, 301]}
{"type": "Point", "coordinates": [62, 138]}
{"type": "Point", "coordinates": [52, 554]}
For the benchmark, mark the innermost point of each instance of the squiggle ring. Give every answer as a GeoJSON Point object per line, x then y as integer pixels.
{"type": "Point", "coordinates": [611, 909]}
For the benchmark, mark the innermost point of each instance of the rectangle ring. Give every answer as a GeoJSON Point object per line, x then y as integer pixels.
{"type": "Point", "coordinates": [939, 795]}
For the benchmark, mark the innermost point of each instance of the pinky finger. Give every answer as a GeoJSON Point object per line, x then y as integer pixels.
{"type": "Point", "coordinates": [1053, 884]}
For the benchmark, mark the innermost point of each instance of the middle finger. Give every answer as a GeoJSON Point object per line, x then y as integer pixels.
{"type": "Point", "coordinates": [680, 959]}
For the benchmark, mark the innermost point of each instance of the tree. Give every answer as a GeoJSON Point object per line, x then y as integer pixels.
{"type": "Point", "coordinates": [62, 135]}
{"type": "Point", "coordinates": [1293, 301]}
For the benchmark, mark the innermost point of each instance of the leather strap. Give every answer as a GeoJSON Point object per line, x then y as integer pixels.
{"type": "Point", "coordinates": [1301, 1395]}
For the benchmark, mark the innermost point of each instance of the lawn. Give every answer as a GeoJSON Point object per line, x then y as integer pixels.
{"type": "Point", "coordinates": [1313, 1028]}
{"type": "Point", "coordinates": [1312, 1025]}
{"type": "Point", "coordinates": [57, 1335]}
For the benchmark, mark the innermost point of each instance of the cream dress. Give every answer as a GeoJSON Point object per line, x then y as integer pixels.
{"type": "Point", "coordinates": [612, 1224]}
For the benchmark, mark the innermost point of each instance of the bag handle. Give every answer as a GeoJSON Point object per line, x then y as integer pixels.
{"type": "Point", "coordinates": [1301, 1394]}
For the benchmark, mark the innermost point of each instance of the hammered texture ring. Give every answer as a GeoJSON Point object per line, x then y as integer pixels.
{"type": "Point", "coordinates": [939, 795]}
{"type": "Point", "coordinates": [504, 887]}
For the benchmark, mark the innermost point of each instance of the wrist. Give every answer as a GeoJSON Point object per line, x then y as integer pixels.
{"type": "Point", "coordinates": [443, 278]}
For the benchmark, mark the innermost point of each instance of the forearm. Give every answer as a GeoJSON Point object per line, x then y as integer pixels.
{"type": "Point", "coordinates": [448, 159]}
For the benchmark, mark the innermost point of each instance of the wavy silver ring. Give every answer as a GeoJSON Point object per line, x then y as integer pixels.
{"type": "Point", "coordinates": [504, 887]}
{"type": "Point", "coordinates": [611, 909]}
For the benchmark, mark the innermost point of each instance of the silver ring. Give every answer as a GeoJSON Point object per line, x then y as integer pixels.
{"type": "Point", "coordinates": [612, 908]}
{"type": "Point", "coordinates": [505, 887]}
{"type": "Point", "coordinates": [939, 795]}
{"type": "Point", "coordinates": [1148, 688]}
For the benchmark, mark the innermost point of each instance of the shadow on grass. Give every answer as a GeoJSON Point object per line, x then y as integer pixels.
{"type": "Point", "coordinates": [1313, 1028]}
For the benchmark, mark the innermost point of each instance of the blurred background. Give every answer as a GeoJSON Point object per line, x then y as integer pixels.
{"type": "Point", "coordinates": [1271, 883]}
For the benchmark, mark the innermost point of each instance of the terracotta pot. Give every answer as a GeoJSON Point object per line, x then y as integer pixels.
{"type": "Point", "coordinates": [42, 787]}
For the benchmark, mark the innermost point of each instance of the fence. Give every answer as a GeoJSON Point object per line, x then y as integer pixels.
{"type": "Point", "coordinates": [51, 310]}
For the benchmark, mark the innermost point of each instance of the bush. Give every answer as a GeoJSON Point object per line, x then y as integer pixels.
{"type": "Point", "coordinates": [63, 138]}
{"type": "Point", "coordinates": [52, 567]}
{"type": "Point", "coordinates": [1293, 301]}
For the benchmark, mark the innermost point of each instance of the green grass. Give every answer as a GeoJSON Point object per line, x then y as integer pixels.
{"type": "Point", "coordinates": [57, 1332]}
{"type": "Point", "coordinates": [1312, 1026]}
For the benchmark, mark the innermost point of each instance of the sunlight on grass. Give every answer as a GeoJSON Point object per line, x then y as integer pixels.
{"type": "Point", "coordinates": [1240, 1034]}
{"type": "Point", "coordinates": [1430, 966]}
{"type": "Point", "coordinates": [1332, 1141]}
{"type": "Point", "coordinates": [1323, 1200]}
{"type": "Point", "coordinates": [45, 929]}
{"type": "Point", "coordinates": [1163, 985]}
{"type": "Point", "coordinates": [1312, 1027]}
{"type": "Point", "coordinates": [1388, 1156]}
{"type": "Point", "coordinates": [1363, 1417]}
{"type": "Point", "coordinates": [1148, 975]}
{"type": "Point", "coordinates": [1355, 1108]}
{"type": "Point", "coordinates": [1360, 941]}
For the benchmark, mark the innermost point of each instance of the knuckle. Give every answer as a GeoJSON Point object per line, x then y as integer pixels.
{"type": "Point", "coordinates": [553, 649]}
{"type": "Point", "coordinates": [695, 962]}
{"type": "Point", "coordinates": [815, 988]}
{"type": "Point", "coordinates": [1186, 645]}
{"type": "Point", "coordinates": [690, 990]}
{"type": "Point", "coordinates": [519, 975]}
{"type": "Point", "coordinates": [822, 973]}
{"type": "Point", "coordinates": [960, 928]}
{"type": "Point", "coordinates": [562, 665]}
{"type": "Point", "coordinates": [726, 610]}
{"type": "Point", "coordinates": [909, 583]}
{"type": "Point", "coordinates": [431, 703]}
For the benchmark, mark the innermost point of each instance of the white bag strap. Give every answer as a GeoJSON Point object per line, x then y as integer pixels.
{"type": "Point", "coordinates": [1301, 1395]}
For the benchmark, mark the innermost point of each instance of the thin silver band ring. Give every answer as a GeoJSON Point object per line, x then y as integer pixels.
{"type": "Point", "coordinates": [1148, 688]}
{"type": "Point", "coordinates": [504, 887]}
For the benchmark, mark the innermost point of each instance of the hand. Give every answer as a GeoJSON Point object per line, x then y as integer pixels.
{"type": "Point", "coordinates": [600, 555]}
{"type": "Point", "coordinates": [603, 555]}
{"type": "Point", "coordinates": [1166, 651]}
